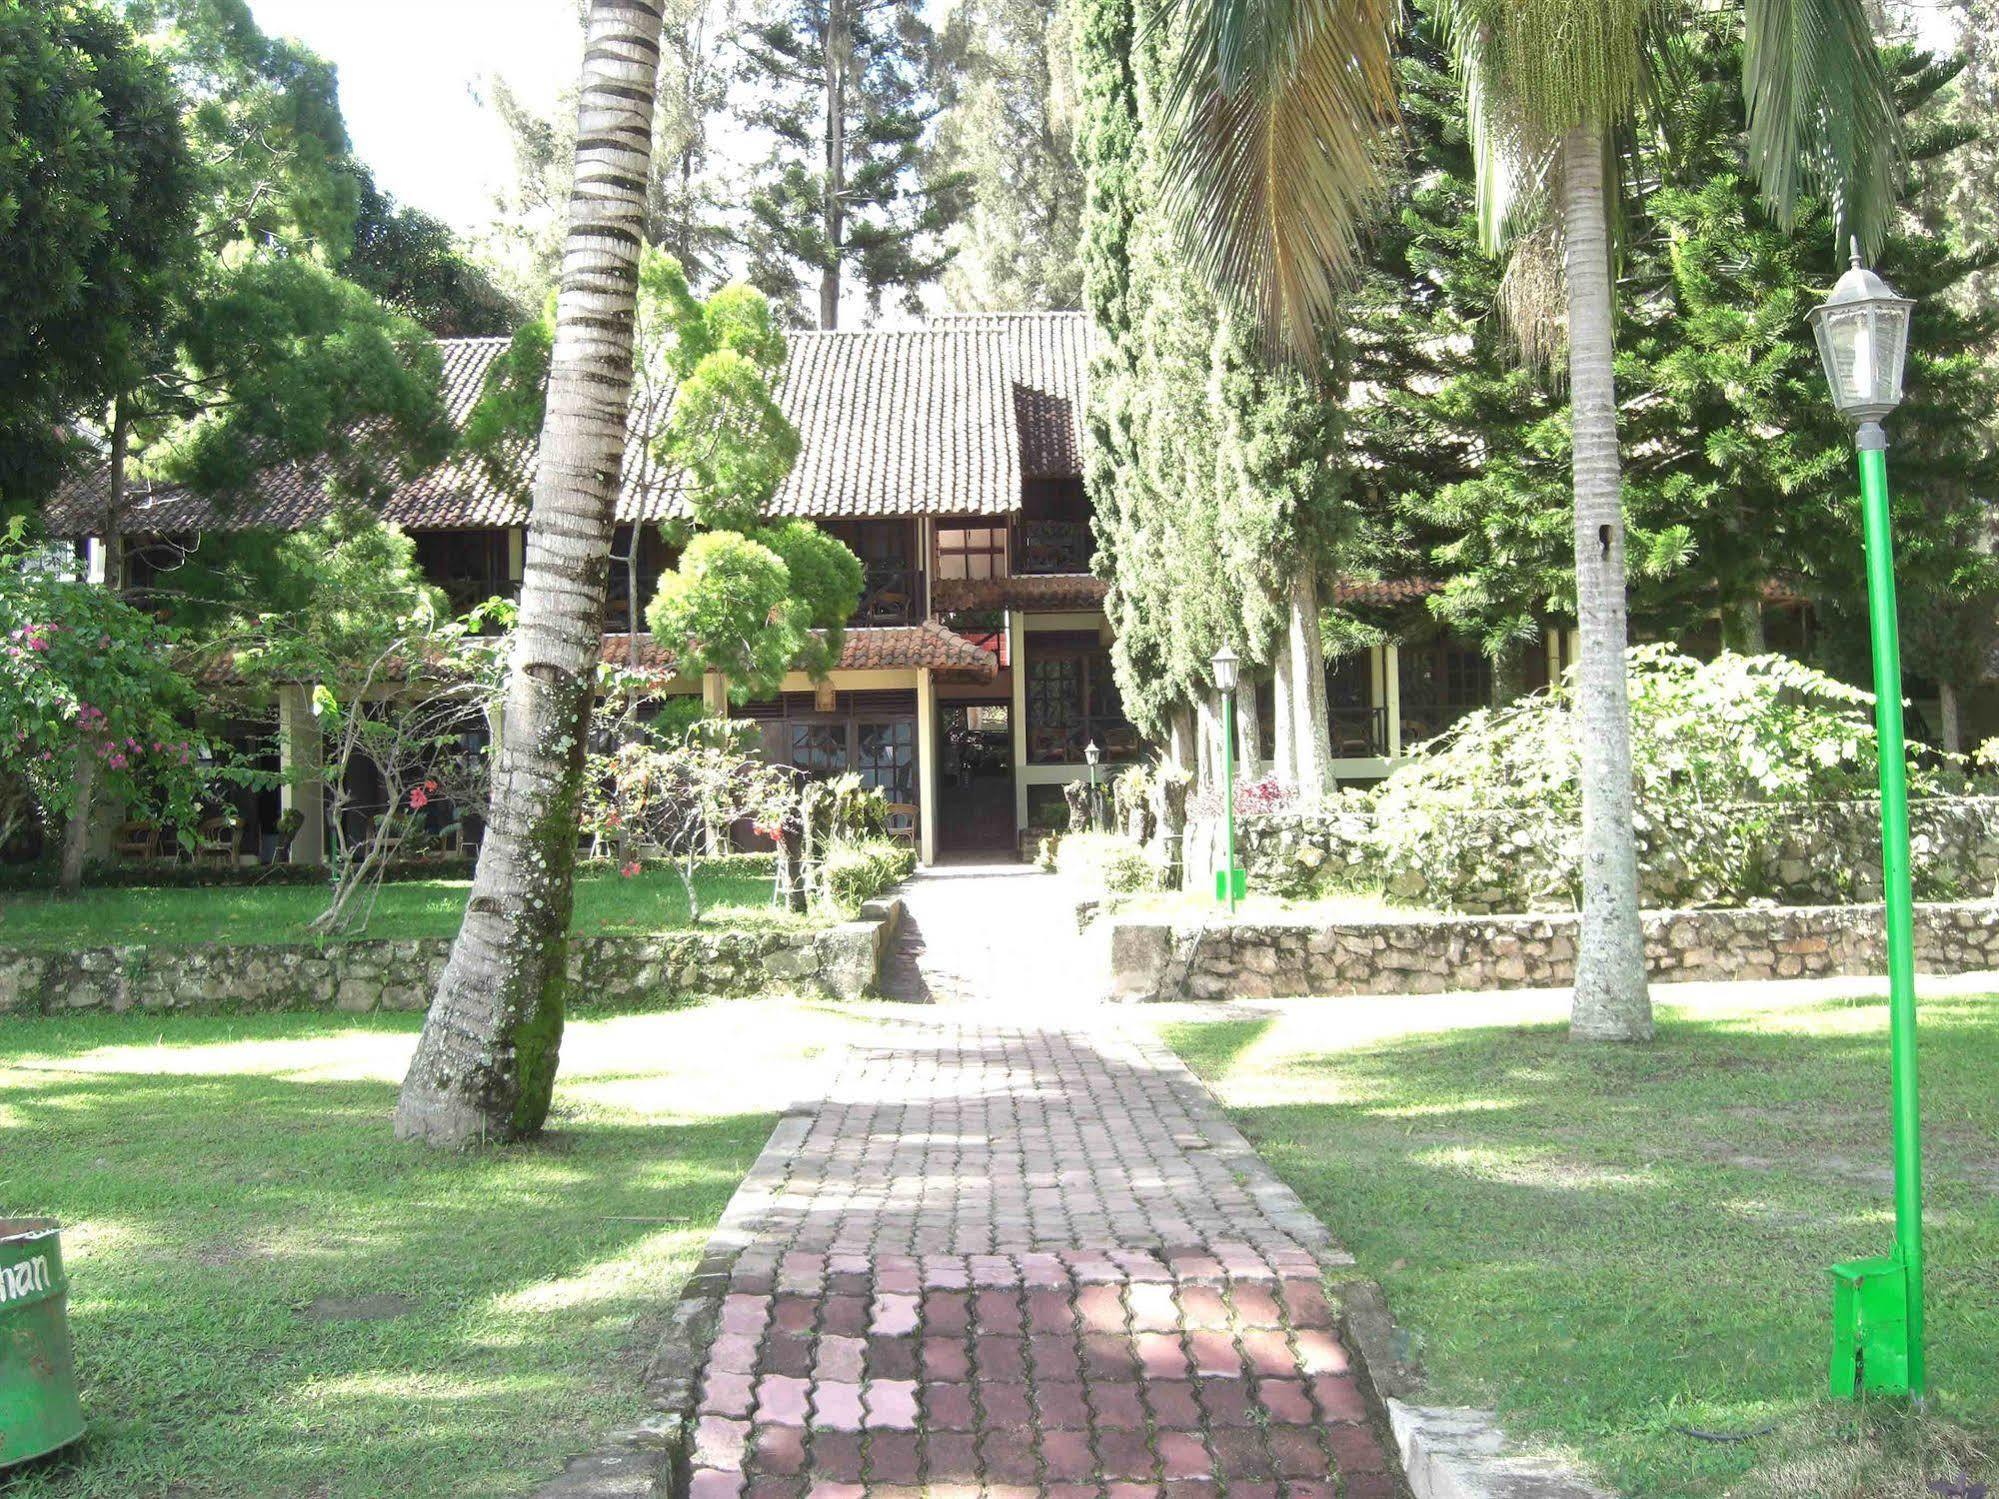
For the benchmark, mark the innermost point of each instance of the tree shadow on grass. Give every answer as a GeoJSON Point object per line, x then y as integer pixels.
{"type": "Point", "coordinates": [222, 1229]}
{"type": "Point", "coordinates": [1612, 1243]}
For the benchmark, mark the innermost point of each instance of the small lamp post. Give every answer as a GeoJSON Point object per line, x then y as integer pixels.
{"type": "Point", "coordinates": [1095, 757]}
{"type": "Point", "coordinates": [1863, 336]}
{"type": "Point", "coordinates": [1230, 882]}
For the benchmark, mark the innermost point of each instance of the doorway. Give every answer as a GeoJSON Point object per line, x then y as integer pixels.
{"type": "Point", "coordinates": [975, 778]}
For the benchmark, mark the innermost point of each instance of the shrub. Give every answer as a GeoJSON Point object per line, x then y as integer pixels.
{"type": "Point", "coordinates": [858, 871]}
{"type": "Point", "coordinates": [1106, 862]}
{"type": "Point", "coordinates": [1725, 755]}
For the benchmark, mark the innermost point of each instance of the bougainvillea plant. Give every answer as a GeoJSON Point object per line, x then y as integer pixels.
{"type": "Point", "coordinates": [92, 708]}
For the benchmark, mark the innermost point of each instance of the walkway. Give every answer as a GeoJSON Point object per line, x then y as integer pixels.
{"type": "Point", "coordinates": [1011, 1259]}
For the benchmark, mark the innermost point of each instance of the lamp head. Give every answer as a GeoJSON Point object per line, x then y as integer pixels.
{"type": "Point", "coordinates": [1228, 670]}
{"type": "Point", "coordinates": [1093, 754]}
{"type": "Point", "coordinates": [1863, 337]}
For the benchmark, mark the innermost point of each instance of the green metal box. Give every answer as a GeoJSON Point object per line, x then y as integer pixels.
{"type": "Point", "coordinates": [1870, 1328]}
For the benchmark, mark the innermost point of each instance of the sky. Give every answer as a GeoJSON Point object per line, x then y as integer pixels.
{"type": "Point", "coordinates": [410, 71]}
{"type": "Point", "coordinates": [408, 74]}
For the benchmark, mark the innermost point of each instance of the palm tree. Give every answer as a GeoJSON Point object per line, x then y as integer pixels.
{"type": "Point", "coordinates": [1280, 108]}
{"type": "Point", "coordinates": [485, 1066]}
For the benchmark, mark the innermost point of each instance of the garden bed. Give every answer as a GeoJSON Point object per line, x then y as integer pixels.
{"type": "Point", "coordinates": [270, 1295]}
{"type": "Point", "coordinates": [1616, 1247]}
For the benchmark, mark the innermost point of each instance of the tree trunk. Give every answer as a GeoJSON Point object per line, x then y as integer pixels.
{"type": "Point", "coordinates": [1284, 727]}
{"type": "Point", "coordinates": [1611, 1000]}
{"type": "Point", "coordinates": [1248, 732]}
{"type": "Point", "coordinates": [1209, 718]}
{"type": "Point", "coordinates": [76, 828]}
{"type": "Point", "coordinates": [1180, 740]}
{"type": "Point", "coordinates": [1311, 732]}
{"type": "Point", "coordinates": [1951, 729]}
{"type": "Point", "coordinates": [1509, 676]}
{"type": "Point", "coordinates": [485, 1066]}
{"type": "Point", "coordinates": [114, 506]}
{"type": "Point", "coordinates": [1742, 628]}
{"type": "Point", "coordinates": [839, 46]}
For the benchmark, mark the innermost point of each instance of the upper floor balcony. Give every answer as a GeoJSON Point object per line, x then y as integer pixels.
{"type": "Point", "coordinates": [1044, 547]}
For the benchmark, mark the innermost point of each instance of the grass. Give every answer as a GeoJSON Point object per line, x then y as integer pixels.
{"type": "Point", "coordinates": [227, 1184]}
{"type": "Point", "coordinates": [732, 893]}
{"type": "Point", "coordinates": [1611, 1245]}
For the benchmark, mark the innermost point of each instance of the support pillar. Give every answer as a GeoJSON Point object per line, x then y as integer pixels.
{"type": "Point", "coordinates": [1391, 681]}
{"type": "Point", "coordinates": [1016, 655]}
{"type": "Point", "coordinates": [926, 766]}
{"type": "Point", "coordinates": [301, 762]}
{"type": "Point", "coordinates": [715, 695]}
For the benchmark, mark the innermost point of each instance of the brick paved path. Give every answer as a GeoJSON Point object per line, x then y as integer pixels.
{"type": "Point", "coordinates": [1010, 1260]}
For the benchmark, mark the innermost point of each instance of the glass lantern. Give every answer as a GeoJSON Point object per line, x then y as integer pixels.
{"type": "Point", "coordinates": [1227, 670]}
{"type": "Point", "coordinates": [1863, 336]}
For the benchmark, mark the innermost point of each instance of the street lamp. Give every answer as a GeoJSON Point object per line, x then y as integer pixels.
{"type": "Point", "coordinates": [1863, 336]}
{"type": "Point", "coordinates": [1230, 882]}
{"type": "Point", "coordinates": [1094, 756]}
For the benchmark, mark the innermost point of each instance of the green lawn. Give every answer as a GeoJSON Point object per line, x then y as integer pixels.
{"type": "Point", "coordinates": [732, 892]}
{"type": "Point", "coordinates": [1611, 1244]}
{"type": "Point", "coordinates": [231, 1189]}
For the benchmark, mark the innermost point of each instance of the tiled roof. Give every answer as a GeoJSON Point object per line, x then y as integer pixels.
{"type": "Point", "coordinates": [1026, 591]}
{"type": "Point", "coordinates": [902, 647]}
{"type": "Point", "coordinates": [942, 420]}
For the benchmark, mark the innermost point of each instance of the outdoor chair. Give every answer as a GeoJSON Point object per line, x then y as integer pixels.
{"type": "Point", "coordinates": [136, 840]}
{"type": "Point", "coordinates": [902, 821]}
{"type": "Point", "coordinates": [218, 840]}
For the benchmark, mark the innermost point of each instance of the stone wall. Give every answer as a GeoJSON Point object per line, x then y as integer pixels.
{"type": "Point", "coordinates": [1798, 855]}
{"type": "Point", "coordinates": [842, 961]}
{"type": "Point", "coordinates": [1152, 959]}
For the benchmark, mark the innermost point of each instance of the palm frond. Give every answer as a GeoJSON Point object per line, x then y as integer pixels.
{"type": "Point", "coordinates": [1276, 116]}
{"type": "Point", "coordinates": [1822, 112]}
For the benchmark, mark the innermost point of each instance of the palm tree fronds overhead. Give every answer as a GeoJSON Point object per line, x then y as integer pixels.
{"type": "Point", "coordinates": [1278, 108]}
{"type": "Point", "coordinates": [1821, 111]}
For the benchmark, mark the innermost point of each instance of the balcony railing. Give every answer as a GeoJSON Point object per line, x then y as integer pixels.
{"type": "Point", "coordinates": [1051, 546]}
{"type": "Point", "coordinates": [1358, 733]}
{"type": "Point", "coordinates": [891, 596]}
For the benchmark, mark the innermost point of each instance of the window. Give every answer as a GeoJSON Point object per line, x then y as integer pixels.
{"type": "Point", "coordinates": [819, 749]}
{"type": "Point", "coordinates": [1072, 702]}
{"type": "Point", "coordinates": [971, 552]}
{"type": "Point", "coordinates": [885, 756]}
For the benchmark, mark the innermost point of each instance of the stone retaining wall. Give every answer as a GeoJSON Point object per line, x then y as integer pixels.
{"type": "Point", "coordinates": [842, 961]}
{"type": "Point", "coordinates": [1803, 854]}
{"type": "Point", "coordinates": [1153, 959]}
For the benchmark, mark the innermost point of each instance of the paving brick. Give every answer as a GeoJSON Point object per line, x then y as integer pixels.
{"type": "Point", "coordinates": [948, 1407]}
{"type": "Point", "coordinates": [1000, 1358]}
{"type": "Point", "coordinates": [950, 1457]}
{"type": "Point", "coordinates": [946, 1359]}
{"type": "Point", "coordinates": [725, 1394]}
{"type": "Point", "coordinates": [836, 1406]}
{"type": "Point", "coordinates": [1355, 1450]}
{"type": "Point", "coordinates": [1102, 1309]}
{"type": "Point", "coordinates": [844, 1316]}
{"type": "Point", "coordinates": [947, 1312]}
{"type": "Point", "coordinates": [1124, 1454]}
{"type": "Point", "coordinates": [1060, 1405]}
{"type": "Point", "coordinates": [720, 1442]}
{"type": "Point", "coordinates": [894, 1315]}
{"type": "Point", "coordinates": [1215, 1355]}
{"type": "Point", "coordinates": [841, 1359]}
{"type": "Point", "coordinates": [1160, 1355]}
{"type": "Point", "coordinates": [1268, 1352]}
{"type": "Point", "coordinates": [1153, 1308]}
{"type": "Point", "coordinates": [1173, 1404]}
{"type": "Point", "coordinates": [1339, 1398]}
{"type": "Point", "coordinates": [890, 1403]}
{"type": "Point", "coordinates": [1066, 1456]}
{"type": "Point", "coordinates": [836, 1456]}
{"type": "Point", "coordinates": [1005, 1404]}
{"type": "Point", "coordinates": [1256, 1306]}
{"type": "Point", "coordinates": [1297, 1452]}
{"type": "Point", "coordinates": [786, 1353]}
{"type": "Point", "coordinates": [892, 1458]}
{"type": "Point", "coordinates": [892, 1358]}
{"type": "Point", "coordinates": [1184, 1454]}
{"type": "Point", "coordinates": [1050, 1311]}
{"type": "Point", "coordinates": [783, 1400]}
{"type": "Point", "coordinates": [1320, 1352]}
{"type": "Point", "coordinates": [1285, 1402]}
{"type": "Point", "coordinates": [713, 1483]}
{"type": "Point", "coordinates": [1117, 1405]}
{"type": "Point", "coordinates": [777, 1449]}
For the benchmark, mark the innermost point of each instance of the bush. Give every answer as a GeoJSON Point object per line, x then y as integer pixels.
{"type": "Point", "coordinates": [1726, 755]}
{"type": "Point", "coordinates": [1106, 862]}
{"type": "Point", "coordinates": [858, 871]}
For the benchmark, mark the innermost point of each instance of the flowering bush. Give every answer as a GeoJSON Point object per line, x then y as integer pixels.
{"type": "Point", "coordinates": [91, 707]}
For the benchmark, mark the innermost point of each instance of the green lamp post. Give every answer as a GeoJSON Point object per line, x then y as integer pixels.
{"type": "Point", "coordinates": [1231, 884]}
{"type": "Point", "coordinates": [1863, 336]}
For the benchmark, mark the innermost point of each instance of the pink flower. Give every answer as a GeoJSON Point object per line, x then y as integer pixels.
{"type": "Point", "coordinates": [419, 799]}
{"type": "Point", "coordinates": [630, 870]}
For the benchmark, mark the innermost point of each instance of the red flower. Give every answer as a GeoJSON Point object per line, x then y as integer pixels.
{"type": "Point", "coordinates": [630, 870]}
{"type": "Point", "coordinates": [419, 798]}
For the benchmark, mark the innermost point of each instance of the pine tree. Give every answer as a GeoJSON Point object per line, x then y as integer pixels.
{"type": "Point", "coordinates": [851, 198]}
{"type": "Point", "coordinates": [1010, 129]}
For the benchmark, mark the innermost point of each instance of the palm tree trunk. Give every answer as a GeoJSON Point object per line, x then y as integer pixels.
{"type": "Point", "coordinates": [485, 1066]}
{"type": "Point", "coordinates": [1611, 1000]}
{"type": "Point", "coordinates": [1311, 733]}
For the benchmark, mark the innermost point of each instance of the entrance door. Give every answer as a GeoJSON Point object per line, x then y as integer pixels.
{"type": "Point", "coordinates": [975, 778]}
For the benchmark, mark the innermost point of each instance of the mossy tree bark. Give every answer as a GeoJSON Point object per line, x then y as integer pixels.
{"type": "Point", "coordinates": [1612, 1001]}
{"type": "Point", "coordinates": [485, 1066]}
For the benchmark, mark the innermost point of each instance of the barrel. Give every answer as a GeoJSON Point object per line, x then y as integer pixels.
{"type": "Point", "coordinates": [39, 1407]}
